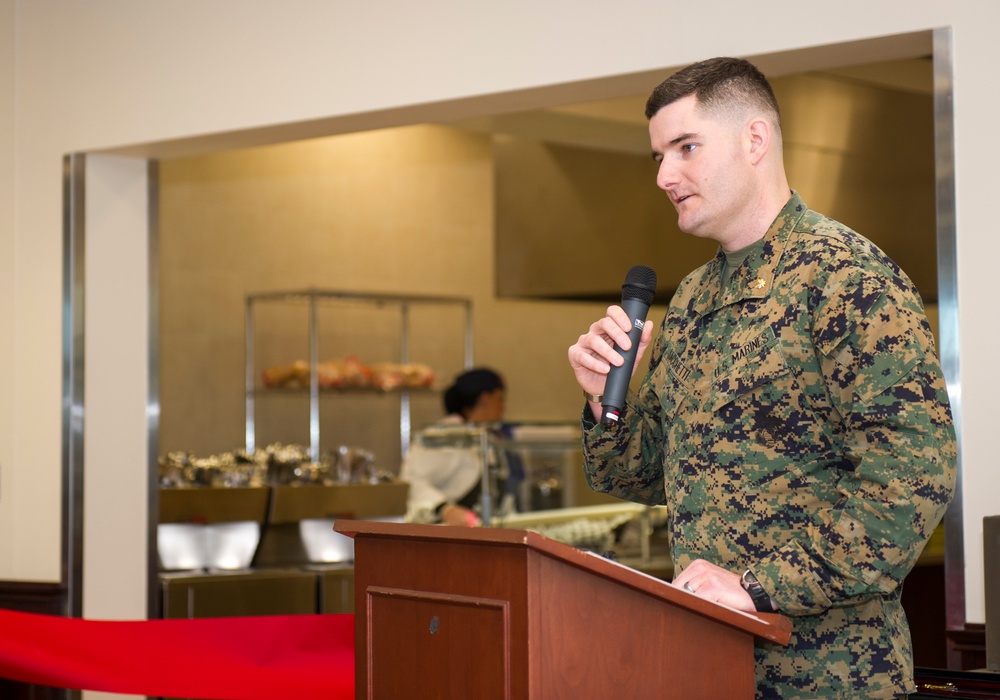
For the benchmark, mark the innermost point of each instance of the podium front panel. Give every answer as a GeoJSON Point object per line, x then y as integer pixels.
{"type": "Point", "coordinates": [424, 645]}
{"type": "Point", "coordinates": [469, 589]}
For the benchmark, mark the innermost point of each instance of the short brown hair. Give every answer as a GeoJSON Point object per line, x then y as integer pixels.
{"type": "Point", "coordinates": [720, 85]}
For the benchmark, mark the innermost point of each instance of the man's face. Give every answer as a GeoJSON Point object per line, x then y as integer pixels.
{"type": "Point", "coordinates": [703, 168]}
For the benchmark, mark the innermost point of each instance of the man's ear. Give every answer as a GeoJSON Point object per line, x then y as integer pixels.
{"type": "Point", "coordinates": [759, 138]}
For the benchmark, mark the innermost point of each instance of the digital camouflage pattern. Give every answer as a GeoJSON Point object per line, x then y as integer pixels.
{"type": "Point", "coordinates": [796, 422]}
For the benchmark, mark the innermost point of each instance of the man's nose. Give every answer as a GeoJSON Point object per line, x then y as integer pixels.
{"type": "Point", "coordinates": [666, 175]}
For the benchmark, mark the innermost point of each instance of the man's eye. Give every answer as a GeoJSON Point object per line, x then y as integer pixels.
{"type": "Point", "coordinates": [688, 147]}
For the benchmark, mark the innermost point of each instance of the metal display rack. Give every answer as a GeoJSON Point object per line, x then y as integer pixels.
{"type": "Point", "coordinates": [315, 297]}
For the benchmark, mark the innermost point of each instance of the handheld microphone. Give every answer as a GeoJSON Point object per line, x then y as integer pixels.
{"type": "Point", "coordinates": [637, 294]}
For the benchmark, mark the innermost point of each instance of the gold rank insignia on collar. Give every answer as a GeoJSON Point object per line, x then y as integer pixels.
{"type": "Point", "coordinates": [758, 283]}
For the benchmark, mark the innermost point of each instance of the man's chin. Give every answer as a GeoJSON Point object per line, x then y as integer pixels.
{"type": "Point", "coordinates": [688, 222]}
{"type": "Point", "coordinates": [689, 227]}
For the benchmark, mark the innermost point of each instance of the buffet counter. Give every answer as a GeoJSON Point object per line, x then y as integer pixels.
{"type": "Point", "coordinates": [264, 550]}
{"type": "Point", "coordinates": [246, 534]}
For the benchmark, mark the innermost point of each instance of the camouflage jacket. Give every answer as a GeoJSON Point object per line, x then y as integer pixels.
{"type": "Point", "coordinates": [796, 423]}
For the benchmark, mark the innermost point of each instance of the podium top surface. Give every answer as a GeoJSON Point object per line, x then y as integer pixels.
{"type": "Point", "coordinates": [770, 626]}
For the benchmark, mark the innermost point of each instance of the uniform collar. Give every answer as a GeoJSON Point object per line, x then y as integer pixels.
{"type": "Point", "coordinates": [754, 278]}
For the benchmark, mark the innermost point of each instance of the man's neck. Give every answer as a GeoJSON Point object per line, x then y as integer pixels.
{"type": "Point", "coordinates": [759, 217]}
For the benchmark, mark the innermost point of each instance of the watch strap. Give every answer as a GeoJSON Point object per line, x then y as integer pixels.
{"type": "Point", "coordinates": [761, 600]}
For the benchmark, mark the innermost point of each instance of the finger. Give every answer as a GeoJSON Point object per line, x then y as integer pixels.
{"type": "Point", "coordinates": [609, 330]}
{"type": "Point", "coordinates": [688, 584]}
{"type": "Point", "coordinates": [618, 315]}
{"type": "Point", "coordinates": [644, 341]}
{"type": "Point", "coordinates": [596, 350]}
{"type": "Point", "coordinates": [647, 333]}
{"type": "Point", "coordinates": [582, 357]}
{"type": "Point", "coordinates": [596, 343]}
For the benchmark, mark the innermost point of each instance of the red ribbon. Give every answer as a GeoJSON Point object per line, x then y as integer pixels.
{"type": "Point", "coordinates": [307, 657]}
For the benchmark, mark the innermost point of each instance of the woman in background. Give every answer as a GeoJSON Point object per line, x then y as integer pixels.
{"type": "Point", "coordinates": [446, 480]}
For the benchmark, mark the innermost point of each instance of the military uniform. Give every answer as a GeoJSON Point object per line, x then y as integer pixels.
{"type": "Point", "coordinates": [795, 422]}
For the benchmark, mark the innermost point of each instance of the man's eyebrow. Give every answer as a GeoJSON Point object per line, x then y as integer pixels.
{"type": "Point", "coordinates": [687, 136]}
{"type": "Point", "coordinates": [683, 137]}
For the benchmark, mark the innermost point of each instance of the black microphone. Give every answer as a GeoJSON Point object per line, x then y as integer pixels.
{"type": "Point", "coordinates": [637, 294]}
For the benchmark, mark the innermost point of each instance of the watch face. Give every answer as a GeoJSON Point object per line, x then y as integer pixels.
{"type": "Point", "coordinates": [761, 600]}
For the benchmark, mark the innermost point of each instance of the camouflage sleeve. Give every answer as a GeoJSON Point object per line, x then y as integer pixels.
{"type": "Point", "coordinates": [888, 393]}
{"type": "Point", "coordinates": [626, 460]}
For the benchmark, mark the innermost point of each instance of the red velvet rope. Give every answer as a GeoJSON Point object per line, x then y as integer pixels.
{"type": "Point", "coordinates": [305, 657]}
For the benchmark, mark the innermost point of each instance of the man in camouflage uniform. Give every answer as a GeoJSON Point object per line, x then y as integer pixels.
{"type": "Point", "coordinates": [794, 418]}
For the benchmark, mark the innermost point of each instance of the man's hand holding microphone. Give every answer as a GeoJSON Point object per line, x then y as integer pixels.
{"type": "Point", "coordinates": [604, 358]}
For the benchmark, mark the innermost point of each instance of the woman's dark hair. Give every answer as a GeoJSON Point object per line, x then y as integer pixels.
{"type": "Point", "coordinates": [463, 394]}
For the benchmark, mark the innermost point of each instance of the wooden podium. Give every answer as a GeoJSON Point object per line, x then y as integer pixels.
{"type": "Point", "coordinates": [445, 612]}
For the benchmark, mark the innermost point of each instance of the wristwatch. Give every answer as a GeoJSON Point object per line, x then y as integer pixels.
{"type": "Point", "coordinates": [761, 600]}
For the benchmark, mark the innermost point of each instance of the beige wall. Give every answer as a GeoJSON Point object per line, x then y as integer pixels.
{"type": "Point", "coordinates": [572, 221]}
{"type": "Point", "coordinates": [109, 73]}
{"type": "Point", "coordinates": [7, 199]}
{"type": "Point", "coordinates": [404, 211]}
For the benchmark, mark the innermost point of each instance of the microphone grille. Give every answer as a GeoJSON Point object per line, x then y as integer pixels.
{"type": "Point", "coordinates": [640, 283]}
